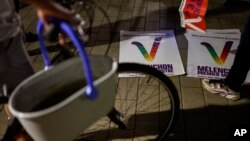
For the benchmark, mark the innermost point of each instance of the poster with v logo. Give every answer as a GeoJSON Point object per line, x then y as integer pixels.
{"type": "Point", "coordinates": [211, 54]}
{"type": "Point", "coordinates": [156, 49]}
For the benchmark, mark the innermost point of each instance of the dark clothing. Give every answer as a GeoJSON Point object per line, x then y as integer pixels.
{"type": "Point", "coordinates": [14, 62]}
{"type": "Point", "coordinates": [241, 65]}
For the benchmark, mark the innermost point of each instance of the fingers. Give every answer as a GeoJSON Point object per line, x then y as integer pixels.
{"type": "Point", "coordinates": [43, 17]}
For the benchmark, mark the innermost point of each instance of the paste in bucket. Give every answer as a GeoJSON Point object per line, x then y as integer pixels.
{"type": "Point", "coordinates": [51, 105]}
{"type": "Point", "coordinates": [55, 96]}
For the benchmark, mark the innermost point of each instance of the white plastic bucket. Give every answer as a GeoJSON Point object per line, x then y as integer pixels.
{"type": "Point", "coordinates": [49, 112]}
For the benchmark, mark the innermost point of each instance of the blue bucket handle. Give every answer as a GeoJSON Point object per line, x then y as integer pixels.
{"type": "Point", "coordinates": [91, 91]}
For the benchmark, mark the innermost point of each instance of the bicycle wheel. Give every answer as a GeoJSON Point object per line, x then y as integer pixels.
{"type": "Point", "coordinates": [149, 106]}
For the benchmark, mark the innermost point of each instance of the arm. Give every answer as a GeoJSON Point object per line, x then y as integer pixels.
{"type": "Point", "coordinates": [50, 8]}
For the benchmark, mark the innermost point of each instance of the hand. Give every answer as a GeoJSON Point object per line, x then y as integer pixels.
{"type": "Point", "coordinates": [49, 8]}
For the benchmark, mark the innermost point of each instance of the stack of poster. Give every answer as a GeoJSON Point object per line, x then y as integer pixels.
{"type": "Point", "coordinates": [211, 54]}
{"type": "Point", "coordinates": [192, 14]}
{"type": "Point", "coordinates": [156, 49]}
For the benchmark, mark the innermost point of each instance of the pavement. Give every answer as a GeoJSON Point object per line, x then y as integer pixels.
{"type": "Point", "coordinates": [203, 116]}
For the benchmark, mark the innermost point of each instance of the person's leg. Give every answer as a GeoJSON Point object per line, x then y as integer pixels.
{"type": "Point", "coordinates": [241, 65]}
{"type": "Point", "coordinates": [15, 67]}
{"type": "Point", "coordinates": [15, 63]}
{"type": "Point", "coordinates": [230, 87]}
{"type": "Point", "coordinates": [18, 64]}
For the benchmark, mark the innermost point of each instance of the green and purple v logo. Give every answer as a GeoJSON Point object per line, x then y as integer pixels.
{"type": "Point", "coordinates": [219, 60]}
{"type": "Point", "coordinates": [148, 56]}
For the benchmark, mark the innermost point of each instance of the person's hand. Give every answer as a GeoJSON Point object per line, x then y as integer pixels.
{"type": "Point", "coordinates": [47, 9]}
{"type": "Point", "coordinates": [45, 15]}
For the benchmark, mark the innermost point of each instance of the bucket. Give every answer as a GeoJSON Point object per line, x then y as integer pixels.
{"type": "Point", "coordinates": [52, 104]}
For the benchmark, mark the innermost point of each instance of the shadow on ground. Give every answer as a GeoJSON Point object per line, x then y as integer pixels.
{"type": "Point", "coordinates": [215, 122]}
